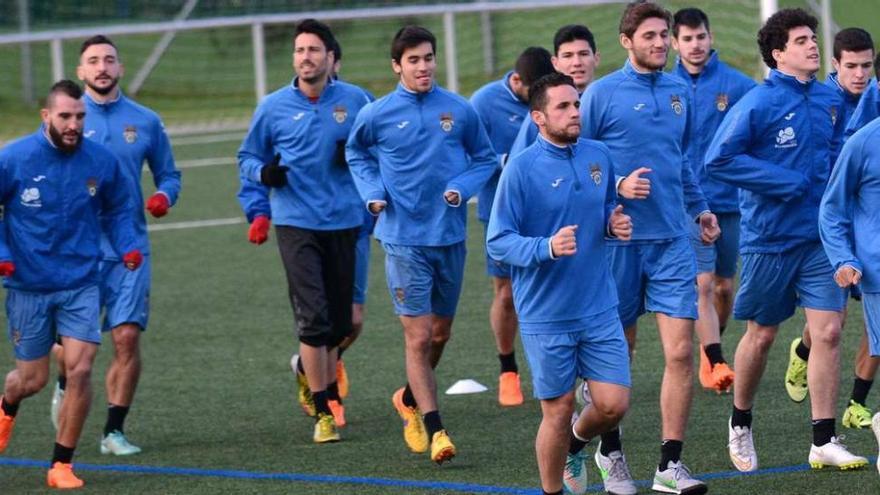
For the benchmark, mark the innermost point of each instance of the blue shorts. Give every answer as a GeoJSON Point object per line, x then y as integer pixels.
{"type": "Point", "coordinates": [656, 276]}
{"type": "Point", "coordinates": [34, 319]}
{"type": "Point", "coordinates": [598, 353]}
{"type": "Point", "coordinates": [361, 269]}
{"type": "Point", "coordinates": [494, 268]}
{"type": "Point", "coordinates": [773, 284]}
{"type": "Point", "coordinates": [125, 294]}
{"type": "Point", "coordinates": [424, 280]}
{"type": "Point", "coordinates": [719, 257]}
{"type": "Point", "coordinates": [871, 309]}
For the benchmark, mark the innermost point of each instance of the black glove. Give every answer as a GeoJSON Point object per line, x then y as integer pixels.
{"type": "Point", "coordinates": [274, 175]}
{"type": "Point", "coordinates": [339, 157]}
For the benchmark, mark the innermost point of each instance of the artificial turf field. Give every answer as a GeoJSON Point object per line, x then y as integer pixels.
{"type": "Point", "coordinates": [215, 411]}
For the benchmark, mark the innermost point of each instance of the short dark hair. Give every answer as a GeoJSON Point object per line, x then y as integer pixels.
{"type": "Point", "coordinates": [532, 64]}
{"type": "Point", "coordinates": [877, 65]}
{"type": "Point", "coordinates": [411, 37]}
{"type": "Point", "coordinates": [636, 13]}
{"type": "Point", "coordinates": [337, 50]}
{"type": "Point", "coordinates": [691, 17]}
{"type": "Point", "coordinates": [538, 91]}
{"type": "Point", "coordinates": [319, 29]}
{"type": "Point", "coordinates": [573, 32]}
{"type": "Point", "coordinates": [98, 39]}
{"type": "Point", "coordinates": [64, 86]}
{"type": "Point", "coordinates": [774, 34]}
{"type": "Point", "coordinates": [852, 40]}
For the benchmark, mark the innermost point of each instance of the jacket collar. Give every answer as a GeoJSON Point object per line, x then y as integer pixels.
{"type": "Point", "coordinates": [709, 68]}
{"type": "Point", "coordinates": [555, 150]}
{"type": "Point", "coordinates": [108, 105]}
{"type": "Point", "coordinates": [834, 82]}
{"type": "Point", "coordinates": [409, 94]}
{"type": "Point", "coordinates": [646, 78]}
{"type": "Point", "coordinates": [328, 89]}
{"type": "Point", "coordinates": [782, 79]}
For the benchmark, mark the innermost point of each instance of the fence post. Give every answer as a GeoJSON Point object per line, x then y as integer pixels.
{"type": "Point", "coordinates": [57, 51]}
{"type": "Point", "coordinates": [27, 69]}
{"type": "Point", "coordinates": [488, 43]}
{"type": "Point", "coordinates": [451, 58]}
{"type": "Point", "coordinates": [259, 60]}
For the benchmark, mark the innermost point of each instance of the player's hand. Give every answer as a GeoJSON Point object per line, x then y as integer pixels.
{"type": "Point", "coordinates": [258, 233]}
{"type": "Point", "coordinates": [709, 229]}
{"type": "Point", "coordinates": [158, 205]}
{"type": "Point", "coordinates": [376, 207]}
{"type": "Point", "coordinates": [452, 198]}
{"type": "Point", "coordinates": [274, 175]}
{"type": "Point", "coordinates": [7, 268]}
{"type": "Point", "coordinates": [847, 276]}
{"type": "Point", "coordinates": [133, 259]}
{"type": "Point", "coordinates": [620, 224]}
{"type": "Point", "coordinates": [634, 186]}
{"type": "Point", "coordinates": [564, 242]}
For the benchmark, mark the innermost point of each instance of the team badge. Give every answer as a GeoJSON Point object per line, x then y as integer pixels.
{"type": "Point", "coordinates": [340, 114]}
{"type": "Point", "coordinates": [446, 122]}
{"type": "Point", "coordinates": [92, 186]}
{"type": "Point", "coordinates": [721, 102]}
{"type": "Point", "coordinates": [833, 115]}
{"type": "Point", "coordinates": [676, 104]}
{"type": "Point", "coordinates": [130, 134]}
{"type": "Point", "coordinates": [400, 295]}
{"type": "Point", "coordinates": [596, 173]}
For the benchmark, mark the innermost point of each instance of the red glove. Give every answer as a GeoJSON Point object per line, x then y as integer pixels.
{"type": "Point", "coordinates": [133, 259]}
{"type": "Point", "coordinates": [7, 268]}
{"type": "Point", "coordinates": [158, 205]}
{"type": "Point", "coordinates": [259, 231]}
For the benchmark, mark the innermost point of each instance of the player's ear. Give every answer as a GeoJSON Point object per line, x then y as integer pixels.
{"type": "Point", "coordinates": [538, 118]}
{"type": "Point", "coordinates": [625, 42]}
{"type": "Point", "coordinates": [80, 72]}
{"type": "Point", "coordinates": [395, 66]}
{"type": "Point", "coordinates": [44, 115]}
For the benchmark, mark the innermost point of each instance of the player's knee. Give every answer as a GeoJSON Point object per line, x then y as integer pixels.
{"type": "Point", "coordinates": [418, 344]}
{"type": "Point", "coordinates": [705, 286]}
{"type": "Point", "coordinates": [79, 374]}
{"type": "Point", "coordinates": [558, 409]}
{"type": "Point", "coordinates": [763, 339]}
{"type": "Point", "coordinates": [613, 409]}
{"type": "Point", "coordinates": [680, 354]}
{"type": "Point", "coordinates": [125, 340]}
{"type": "Point", "coordinates": [504, 296]}
{"type": "Point", "coordinates": [724, 290]}
{"type": "Point", "coordinates": [828, 334]}
{"type": "Point", "coordinates": [32, 383]}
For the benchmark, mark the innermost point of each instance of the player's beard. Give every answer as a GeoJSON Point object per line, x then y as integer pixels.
{"type": "Point", "coordinates": [648, 63]}
{"type": "Point", "coordinates": [564, 135]}
{"type": "Point", "coordinates": [103, 91]}
{"type": "Point", "coordinates": [57, 138]}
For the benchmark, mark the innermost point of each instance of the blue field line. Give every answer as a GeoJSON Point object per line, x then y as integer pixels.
{"type": "Point", "coordinates": [361, 480]}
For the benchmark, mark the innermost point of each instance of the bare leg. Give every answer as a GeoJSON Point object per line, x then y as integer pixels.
{"type": "Point", "coordinates": [676, 335]}
{"type": "Point", "coordinates": [610, 403]}
{"type": "Point", "coordinates": [125, 368]}
{"type": "Point", "coordinates": [28, 378]}
{"type": "Point", "coordinates": [78, 358]}
{"type": "Point", "coordinates": [750, 361]}
{"type": "Point", "coordinates": [865, 366]}
{"type": "Point", "coordinates": [441, 331]}
{"type": "Point", "coordinates": [502, 316]}
{"type": "Point", "coordinates": [723, 299]}
{"type": "Point", "coordinates": [417, 333]}
{"type": "Point", "coordinates": [551, 443]}
{"type": "Point", "coordinates": [823, 368]}
{"type": "Point", "coordinates": [707, 323]}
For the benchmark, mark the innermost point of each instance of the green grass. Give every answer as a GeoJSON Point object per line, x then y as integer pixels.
{"type": "Point", "coordinates": [217, 392]}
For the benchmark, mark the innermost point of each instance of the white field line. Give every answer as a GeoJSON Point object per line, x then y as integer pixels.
{"type": "Point", "coordinates": [204, 162]}
{"type": "Point", "coordinates": [195, 224]}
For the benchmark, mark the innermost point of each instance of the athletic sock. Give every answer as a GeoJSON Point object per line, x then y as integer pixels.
{"type": "Point", "coordinates": [713, 353]}
{"type": "Point", "coordinates": [802, 351]}
{"type": "Point", "coordinates": [8, 409]}
{"type": "Point", "coordinates": [741, 418]}
{"type": "Point", "coordinates": [408, 399]}
{"type": "Point", "coordinates": [433, 423]}
{"type": "Point", "coordinates": [823, 430]}
{"type": "Point", "coordinates": [721, 330]}
{"type": "Point", "coordinates": [670, 451]}
{"type": "Point", "coordinates": [299, 366]}
{"type": "Point", "coordinates": [333, 392]}
{"type": "Point", "coordinates": [62, 454]}
{"type": "Point", "coordinates": [62, 381]}
{"type": "Point", "coordinates": [321, 405]}
{"type": "Point", "coordinates": [575, 442]}
{"type": "Point", "coordinates": [610, 442]}
{"type": "Point", "coordinates": [115, 418]}
{"type": "Point", "coordinates": [545, 492]}
{"type": "Point", "coordinates": [860, 390]}
{"type": "Point", "coordinates": [508, 362]}
{"type": "Point", "coordinates": [339, 353]}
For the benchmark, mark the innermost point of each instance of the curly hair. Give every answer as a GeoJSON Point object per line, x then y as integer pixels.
{"type": "Point", "coordinates": [774, 34]}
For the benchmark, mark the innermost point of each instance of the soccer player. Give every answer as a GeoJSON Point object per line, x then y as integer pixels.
{"type": "Point", "coordinates": [58, 192]}
{"type": "Point", "coordinates": [853, 63]}
{"type": "Point", "coordinates": [503, 106]}
{"type": "Point", "coordinates": [554, 208]}
{"type": "Point", "coordinates": [642, 115]}
{"type": "Point", "coordinates": [135, 135]}
{"type": "Point", "coordinates": [575, 56]}
{"type": "Point", "coordinates": [868, 108]}
{"type": "Point", "coordinates": [293, 173]}
{"type": "Point", "coordinates": [776, 145]}
{"type": "Point", "coordinates": [714, 88]}
{"type": "Point", "coordinates": [417, 155]}
{"type": "Point", "coordinates": [849, 227]}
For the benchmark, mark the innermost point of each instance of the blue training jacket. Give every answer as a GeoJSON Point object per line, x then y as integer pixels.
{"type": "Point", "coordinates": [848, 216]}
{"type": "Point", "coordinates": [778, 144]}
{"type": "Point", "coordinates": [850, 101]}
{"type": "Point", "coordinates": [502, 113]}
{"type": "Point", "coordinates": [525, 136]}
{"type": "Point", "coordinates": [643, 119]}
{"type": "Point", "coordinates": [713, 92]}
{"type": "Point", "coordinates": [135, 134]}
{"type": "Point", "coordinates": [407, 149]}
{"type": "Point", "coordinates": [310, 137]}
{"type": "Point", "coordinates": [543, 189]}
{"type": "Point", "coordinates": [867, 110]}
{"type": "Point", "coordinates": [53, 205]}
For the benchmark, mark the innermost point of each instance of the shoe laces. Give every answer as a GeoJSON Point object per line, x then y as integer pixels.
{"type": "Point", "coordinates": [618, 469]}
{"type": "Point", "coordinates": [574, 464]}
{"type": "Point", "coordinates": [837, 442]}
{"type": "Point", "coordinates": [680, 471]}
{"type": "Point", "coordinates": [741, 442]}
{"type": "Point", "coordinates": [859, 410]}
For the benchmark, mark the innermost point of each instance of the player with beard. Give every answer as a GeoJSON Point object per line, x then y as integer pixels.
{"type": "Point", "coordinates": [554, 207]}
{"type": "Point", "coordinates": [58, 193]}
{"type": "Point", "coordinates": [134, 134]}
{"type": "Point", "coordinates": [294, 174]}
{"type": "Point", "coordinates": [714, 88]}
{"type": "Point", "coordinates": [642, 115]}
